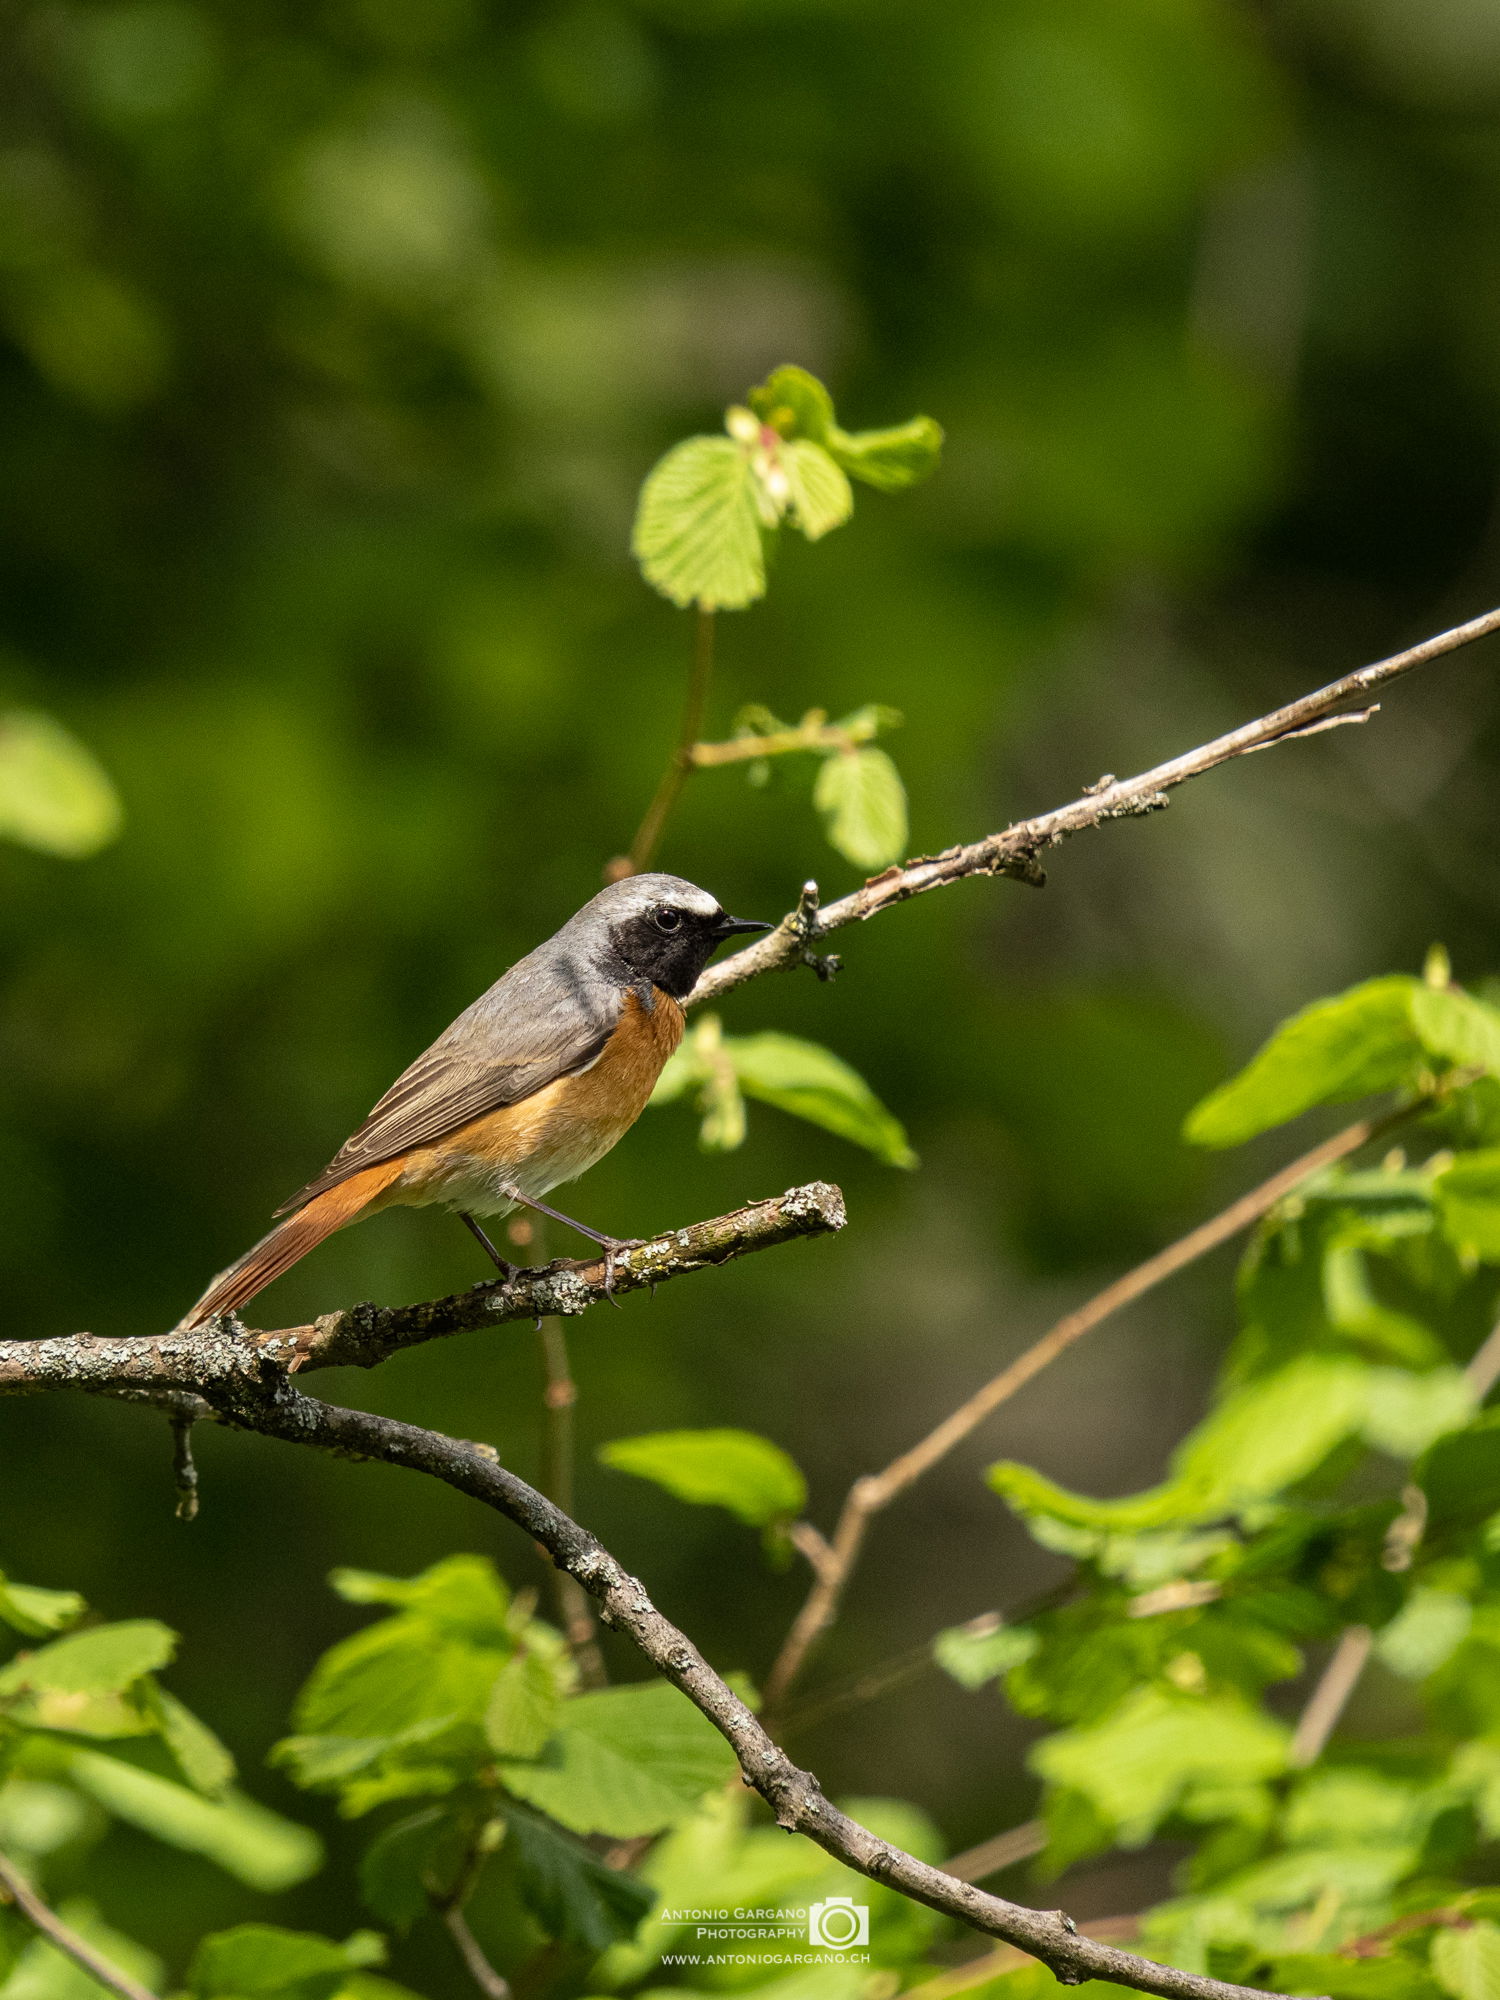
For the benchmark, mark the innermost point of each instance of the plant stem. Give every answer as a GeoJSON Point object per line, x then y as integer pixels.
{"type": "Point", "coordinates": [559, 1396]}
{"type": "Point", "coordinates": [875, 1491]}
{"type": "Point", "coordinates": [648, 834]}
{"type": "Point", "coordinates": [14, 1888]}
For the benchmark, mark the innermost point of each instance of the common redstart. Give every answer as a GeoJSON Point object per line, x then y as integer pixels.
{"type": "Point", "coordinates": [527, 1089]}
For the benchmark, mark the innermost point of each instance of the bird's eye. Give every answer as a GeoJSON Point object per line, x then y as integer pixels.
{"type": "Point", "coordinates": [667, 919]}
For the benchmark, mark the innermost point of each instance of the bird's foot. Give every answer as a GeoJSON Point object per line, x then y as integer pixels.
{"type": "Point", "coordinates": [612, 1246]}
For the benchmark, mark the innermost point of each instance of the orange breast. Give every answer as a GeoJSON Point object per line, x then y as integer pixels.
{"type": "Point", "coordinates": [559, 1131]}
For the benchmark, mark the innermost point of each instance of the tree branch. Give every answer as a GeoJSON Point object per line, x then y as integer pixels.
{"type": "Point", "coordinates": [1014, 851]}
{"type": "Point", "coordinates": [14, 1888]}
{"type": "Point", "coordinates": [868, 1496]}
{"type": "Point", "coordinates": [222, 1354]}
{"type": "Point", "coordinates": [276, 1409]}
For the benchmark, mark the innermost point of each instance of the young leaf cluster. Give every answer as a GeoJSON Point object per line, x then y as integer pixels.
{"type": "Point", "coordinates": [717, 1072]}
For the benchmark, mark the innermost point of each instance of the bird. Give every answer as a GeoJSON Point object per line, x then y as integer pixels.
{"type": "Point", "coordinates": [527, 1089]}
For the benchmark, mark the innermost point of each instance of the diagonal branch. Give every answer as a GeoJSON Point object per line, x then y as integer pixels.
{"type": "Point", "coordinates": [14, 1888]}
{"type": "Point", "coordinates": [1014, 851]}
{"type": "Point", "coordinates": [870, 1495]}
{"type": "Point", "coordinates": [222, 1354]}
{"type": "Point", "coordinates": [793, 1795]}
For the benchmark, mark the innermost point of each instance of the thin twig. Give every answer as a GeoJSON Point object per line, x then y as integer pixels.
{"type": "Point", "coordinates": [648, 834]}
{"type": "Point", "coordinates": [1350, 1657]}
{"type": "Point", "coordinates": [814, 732]}
{"type": "Point", "coordinates": [868, 1496]}
{"type": "Point", "coordinates": [1335, 1685]}
{"type": "Point", "coordinates": [14, 1888]}
{"type": "Point", "coordinates": [184, 1465]}
{"type": "Point", "coordinates": [559, 1395]}
{"type": "Point", "coordinates": [491, 1983]}
{"type": "Point", "coordinates": [1014, 851]}
{"type": "Point", "coordinates": [1001, 1850]}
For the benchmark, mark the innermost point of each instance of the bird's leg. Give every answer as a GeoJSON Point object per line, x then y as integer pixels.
{"type": "Point", "coordinates": [501, 1264]}
{"type": "Point", "coordinates": [610, 1245]}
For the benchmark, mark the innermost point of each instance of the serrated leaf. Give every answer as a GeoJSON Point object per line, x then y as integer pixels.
{"type": "Point", "coordinates": [246, 1840]}
{"type": "Point", "coordinates": [460, 1594]}
{"type": "Point", "coordinates": [264, 1962]}
{"type": "Point", "coordinates": [34, 1612]}
{"type": "Point", "coordinates": [626, 1761]}
{"type": "Point", "coordinates": [863, 803]}
{"type": "Point", "coordinates": [1428, 1628]}
{"type": "Point", "coordinates": [812, 1083]}
{"type": "Point", "coordinates": [1457, 1027]}
{"type": "Point", "coordinates": [572, 1894]}
{"type": "Point", "coordinates": [891, 459]}
{"type": "Point", "coordinates": [104, 1660]}
{"type": "Point", "coordinates": [794, 403]}
{"type": "Point", "coordinates": [1262, 1438]}
{"type": "Point", "coordinates": [1466, 1962]}
{"type": "Point", "coordinates": [749, 1475]}
{"type": "Point", "coordinates": [979, 1652]}
{"type": "Point", "coordinates": [1467, 1197]}
{"type": "Point", "coordinates": [1361, 1042]}
{"type": "Point", "coordinates": [201, 1757]}
{"type": "Point", "coordinates": [697, 534]}
{"type": "Point", "coordinates": [412, 1862]}
{"type": "Point", "coordinates": [54, 795]}
{"type": "Point", "coordinates": [1135, 1764]}
{"type": "Point", "coordinates": [525, 1703]}
{"type": "Point", "coordinates": [820, 494]}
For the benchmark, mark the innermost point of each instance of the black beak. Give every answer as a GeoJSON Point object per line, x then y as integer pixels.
{"type": "Point", "coordinates": [728, 927]}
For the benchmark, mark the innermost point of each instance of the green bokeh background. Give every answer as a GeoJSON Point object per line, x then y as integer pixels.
{"type": "Point", "coordinates": [336, 340]}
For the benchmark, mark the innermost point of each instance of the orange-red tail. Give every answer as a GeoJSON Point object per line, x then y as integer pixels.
{"type": "Point", "coordinates": [291, 1240]}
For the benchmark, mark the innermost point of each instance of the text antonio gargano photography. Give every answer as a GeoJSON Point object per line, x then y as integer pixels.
{"type": "Point", "coordinates": [837, 1924]}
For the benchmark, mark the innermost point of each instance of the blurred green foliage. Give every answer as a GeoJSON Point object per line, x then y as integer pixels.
{"type": "Point", "coordinates": [337, 341]}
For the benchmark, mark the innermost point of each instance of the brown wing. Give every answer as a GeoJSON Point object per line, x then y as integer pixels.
{"type": "Point", "coordinates": [546, 1018]}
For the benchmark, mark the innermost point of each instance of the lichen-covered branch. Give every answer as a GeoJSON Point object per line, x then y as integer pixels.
{"type": "Point", "coordinates": [221, 1356]}
{"type": "Point", "coordinates": [1014, 851]}
{"type": "Point", "coordinates": [793, 1795]}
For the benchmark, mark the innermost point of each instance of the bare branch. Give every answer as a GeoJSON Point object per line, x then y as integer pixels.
{"type": "Point", "coordinates": [14, 1888]}
{"type": "Point", "coordinates": [222, 1354]}
{"type": "Point", "coordinates": [868, 1496]}
{"type": "Point", "coordinates": [1014, 851]}
{"type": "Point", "coordinates": [794, 1796]}
{"type": "Point", "coordinates": [1001, 1850]}
{"type": "Point", "coordinates": [490, 1982]}
{"type": "Point", "coordinates": [1330, 1697]}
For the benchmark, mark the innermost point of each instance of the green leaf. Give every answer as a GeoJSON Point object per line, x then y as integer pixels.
{"type": "Point", "coordinates": [201, 1757]}
{"type": "Point", "coordinates": [698, 528]}
{"type": "Point", "coordinates": [526, 1702]}
{"type": "Point", "coordinates": [1467, 1195]}
{"type": "Point", "coordinates": [1467, 1962]}
{"type": "Point", "coordinates": [890, 459]}
{"type": "Point", "coordinates": [749, 1475]}
{"type": "Point", "coordinates": [820, 495]}
{"type": "Point", "coordinates": [795, 404]}
{"type": "Point", "coordinates": [388, 1679]}
{"type": "Point", "coordinates": [413, 1861]}
{"type": "Point", "coordinates": [1428, 1628]}
{"type": "Point", "coordinates": [1363, 1041]}
{"type": "Point", "coordinates": [103, 1660]}
{"type": "Point", "coordinates": [572, 1894]}
{"type": "Point", "coordinates": [626, 1761]}
{"type": "Point", "coordinates": [1460, 1474]}
{"type": "Point", "coordinates": [34, 1612]}
{"type": "Point", "coordinates": [461, 1594]}
{"type": "Point", "coordinates": [1457, 1028]}
{"type": "Point", "coordinates": [246, 1840]}
{"type": "Point", "coordinates": [264, 1962]}
{"type": "Point", "coordinates": [812, 1083]}
{"type": "Point", "coordinates": [54, 796]}
{"type": "Point", "coordinates": [979, 1652]}
{"type": "Point", "coordinates": [1261, 1438]}
{"type": "Point", "coordinates": [863, 803]}
{"type": "Point", "coordinates": [1137, 1763]}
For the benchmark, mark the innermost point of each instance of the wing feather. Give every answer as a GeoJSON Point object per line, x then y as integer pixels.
{"type": "Point", "coordinates": [543, 1020]}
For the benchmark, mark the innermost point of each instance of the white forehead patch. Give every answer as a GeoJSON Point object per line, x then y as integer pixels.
{"type": "Point", "coordinates": [643, 892]}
